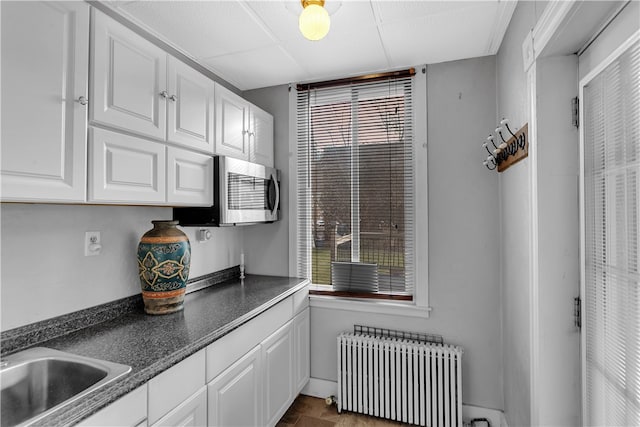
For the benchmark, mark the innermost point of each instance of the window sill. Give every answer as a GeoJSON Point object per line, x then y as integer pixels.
{"type": "Point", "coordinates": [375, 306]}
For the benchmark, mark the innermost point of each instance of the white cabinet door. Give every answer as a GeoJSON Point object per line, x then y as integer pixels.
{"type": "Point", "coordinates": [124, 169]}
{"type": "Point", "coordinates": [235, 396]}
{"type": "Point", "coordinates": [231, 128]}
{"type": "Point", "coordinates": [302, 350]}
{"type": "Point", "coordinates": [44, 73]}
{"type": "Point", "coordinates": [192, 412]}
{"type": "Point", "coordinates": [189, 178]}
{"type": "Point", "coordinates": [130, 411]}
{"type": "Point", "coordinates": [278, 367]}
{"type": "Point", "coordinates": [260, 136]}
{"type": "Point", "coordinates": [128, 89]}
{"type": "Point", "coordinates": [190, 107]}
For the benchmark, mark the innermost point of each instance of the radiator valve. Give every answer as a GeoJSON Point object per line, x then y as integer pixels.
{"type": "Point", "coordinates": [330, 400]}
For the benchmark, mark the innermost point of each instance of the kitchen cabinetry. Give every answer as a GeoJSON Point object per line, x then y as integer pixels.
{"type": "Point", "coordinates": [124, 169]}
{"type": "Point", "coordinates": [128, 79]}
{"type": "Point", "coordinates": [129, 170]}
{"type": "Point", "coordinates": [192, 412]}
{"type": "Point", "coordinates": [278, 373]}
{"type": "Point", "coordinates": [302, 351]}
{"type": "Point", "coordinates": [178, 387]}
{"type": "Point", "coordinates": [139, 88]}
{"type": "Point", "coordinates": [130, 410]}
{"type": "Point", "coordinates": [243, 130]}
{"type": "Point", "coordinates": [235, 396]}
{"type": "Point", "coordinates": [265, 367]}
{"type": "Point", "coordinates": [44, 89]}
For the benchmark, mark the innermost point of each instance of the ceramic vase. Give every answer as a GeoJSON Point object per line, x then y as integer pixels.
{"type": "Point", "coordinates": [164, 257]}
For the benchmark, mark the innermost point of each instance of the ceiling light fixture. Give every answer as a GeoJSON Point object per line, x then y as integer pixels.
{"type": "Point", "coordinates": [314, 20]}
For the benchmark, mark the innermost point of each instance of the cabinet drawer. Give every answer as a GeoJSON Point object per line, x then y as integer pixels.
{"type": "Point", "coordinates": [175, 385]}
{"type": "Point", "coordinates": [192, 412]}
{"type": "Point", "coordinates": [130, 410]}
{"type": "Point", "coordinates": [301, 300]}
{"type": "Point", "coordinates": [223, 352]}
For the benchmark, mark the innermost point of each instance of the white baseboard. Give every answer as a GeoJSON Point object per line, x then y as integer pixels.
{"type": "Point", "coordinates": [317, 387]}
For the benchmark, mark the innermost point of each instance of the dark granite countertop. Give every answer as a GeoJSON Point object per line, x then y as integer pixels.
{"type": "Point", "coordinates": [152, 344]}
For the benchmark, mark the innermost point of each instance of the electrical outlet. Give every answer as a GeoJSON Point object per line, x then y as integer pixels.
{"type": "Point", "coordinates": [92, 245]}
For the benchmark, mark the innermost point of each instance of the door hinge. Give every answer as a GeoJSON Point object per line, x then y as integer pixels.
{"type": "Point", "coordinates": [575, 112]}
{"type": "Point", "coordinates": [577, 312]}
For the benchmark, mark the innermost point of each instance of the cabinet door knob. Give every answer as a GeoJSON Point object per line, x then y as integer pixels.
{"type": "Point", "coordinates": [82, 100]}
{"type": "Point", "coordinates": [173, 98]}
{"type": "Point", "coordinates": [164, 94]}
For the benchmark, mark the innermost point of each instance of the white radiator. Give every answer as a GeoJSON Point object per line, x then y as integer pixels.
{"type": "Point", "coordinates": [400, 379]}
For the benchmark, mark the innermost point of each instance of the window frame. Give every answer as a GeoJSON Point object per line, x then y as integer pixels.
{"type": "Point", "coordinates": [419, 306]}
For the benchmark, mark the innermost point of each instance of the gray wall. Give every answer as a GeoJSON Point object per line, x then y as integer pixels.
{"type": "Point", "coordinates": [267, 245]}
{"type": "Point", "coordinates": [44, 270]}
{"type": "Point", "coordinates": [463, 231]}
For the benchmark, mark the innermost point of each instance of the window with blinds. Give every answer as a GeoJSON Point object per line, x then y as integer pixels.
{"type": "Point", "coordinates": [356, 185]}
{"type": "Point", "coordinates": [612, 216]}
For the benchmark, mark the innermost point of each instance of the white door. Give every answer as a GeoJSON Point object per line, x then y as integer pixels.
{"type": "Point", "coordinates": [125, 170]}
{"type": "Point", "coordinates": [129, 77]}
{"type": "Point", "coordinates": [190, 107]}
{"type": "Point", "coordinates": [260, 136]}
{"type": "Point", "coordinates": [189, 178]}
{"type": "Point", "coordinates": [231, 124]}
{"type": "Point", "coordinates": [279, 370]}
{"type": "Point", "coordinates": [44, 74]}
{"type": "Point", "coordinates": [235, 396]}
{"type": "Point", "coordinates": [610, 144]}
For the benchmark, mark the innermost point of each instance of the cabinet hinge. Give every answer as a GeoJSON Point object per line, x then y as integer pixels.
{"type": "Point", "coordinates": [577, 312]}
{"type": "Point", "coordinates": [575, 112]}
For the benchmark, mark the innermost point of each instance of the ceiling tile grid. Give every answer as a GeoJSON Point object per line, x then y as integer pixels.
{"type": "Point", "coordinates": [254, 43]}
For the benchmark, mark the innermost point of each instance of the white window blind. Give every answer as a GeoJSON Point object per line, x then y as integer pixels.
{"type": "Point", "coordinates": [356, 182]}
{"type": "Point", "coordinates": [612, 280]}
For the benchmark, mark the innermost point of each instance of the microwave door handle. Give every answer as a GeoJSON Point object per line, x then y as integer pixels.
{"type": "Point", "coordinates": [274, 181]}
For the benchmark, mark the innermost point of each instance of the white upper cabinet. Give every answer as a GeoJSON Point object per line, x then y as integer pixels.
{"type": "Point", "coordinates": [128, 89]}
{"type": "Point", "coordinates": [125, 170]}
{"type": "Point", "coordinates": [44, 87]}
{"type": "Point", "coordinates": [139, 88]}
{"type": "Point", "coordinates": [190, 109]}
{"type": "Point", "coordinates": [232, 112]}
{"type": "Point", "coordinates": [260, 136]}
{"type": "Point", "coordinates": [243, 130]}
{"type": "Point", "coordinates": [189, 178]}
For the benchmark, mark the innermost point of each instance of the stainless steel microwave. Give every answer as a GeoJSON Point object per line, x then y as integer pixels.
{"type": "Point", "coordinates": [244, 193]}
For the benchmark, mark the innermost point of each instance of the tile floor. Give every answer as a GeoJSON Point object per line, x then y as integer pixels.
{"type": "Point", "coordinates": [309, 411]}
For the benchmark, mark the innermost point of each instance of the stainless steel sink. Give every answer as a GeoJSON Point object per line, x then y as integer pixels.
{"type": "Point", "coordinates": [37, 382]}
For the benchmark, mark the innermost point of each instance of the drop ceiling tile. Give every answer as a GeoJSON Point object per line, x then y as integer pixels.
{"type": "Point", "coordinates": [433, 38]}
{"type": "Point", "coordinates": [265, 67]}
{"type": "Point", "coordinates": [202, 28]}
{"type": "Point", "coordinates": [391, 11]}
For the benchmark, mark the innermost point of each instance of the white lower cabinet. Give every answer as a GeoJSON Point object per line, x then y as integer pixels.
{"type": "Point", "coordinates": [175, 386]}
{"type": "Point", "coordinates": [235, 396]}
{"type": "Point", "coordinates": [278, 373]}
{"type": "Point", "coordinates": [302, 349]}
{"type": "Point", "coordinates": [130, 411]}
{"type": "Point", "coordinates": [248, 377]}
{"type": "Point", "coordinates": [192, 412]}
{"type": "Point", "coordinates": [258, 388]}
